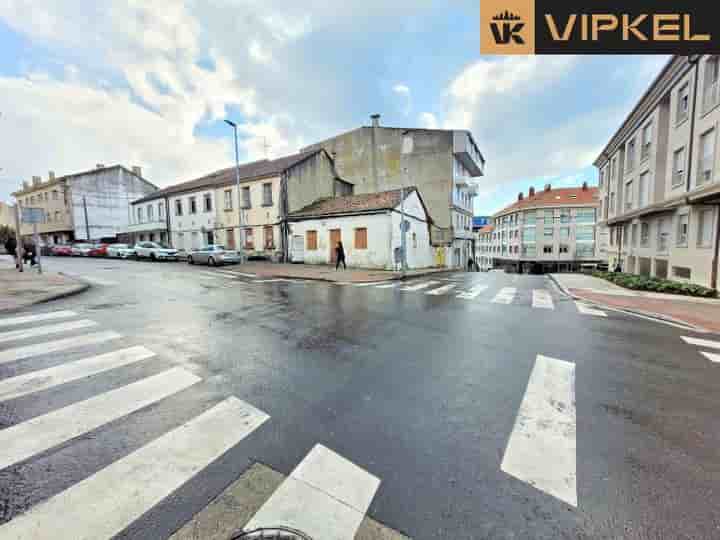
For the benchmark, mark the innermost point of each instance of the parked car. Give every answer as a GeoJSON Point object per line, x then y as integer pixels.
{"type": "Point", "coordinates": [122, 251]}
{"type": "Point", "coordinates": [98, 250]}
{"type": "Point", "coordinates": [61, 250]}
{"type": "Point", "coordinates": [155, 252]}
{"type": "Point", "coordinates": [81, 250]}
{"type": "Point", "coordinates": [213, 255]}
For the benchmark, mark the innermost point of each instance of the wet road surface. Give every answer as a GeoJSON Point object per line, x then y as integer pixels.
{"type": "Point", "coordinates": [487, 405]}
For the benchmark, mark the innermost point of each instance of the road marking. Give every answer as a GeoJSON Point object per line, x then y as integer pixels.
{"type": "Point", "coordinates": [47, 378]}
{"type": "Point", "coordinates": [93, 280]}
{"type": "Point", "coordinates": [389, 285]}
{"type": "Point", "coordinates": [473, 292]}
{"type": "Point", "coordinates": [41, 433]}
{"type": "Point", "coordinates": [326, 496]}
{"type": "Point", "coordinates": [371, 284]}
{"type": "Point", "coordinates": [702, 342]}
{"type": "Point", "coordinates": [104, 504]}
{"type": "Point", "coordinates": [542, 299]}
{"type": "Point", "coordinates": [420, 286]}
{"type": "Point", "coordinates": [542, 446]}
{"type": "Point", "coordinates": [587, 310]}
{"type": "Point", "coordinates": [712, 357]}
{"type": "Point", "coordinates": [20, 353]}
{"type": "Point", "coordinates": [228, 273]}
{"type": "Point", "coordinates": [442, 290]}
{"type": "Point", "coordinates": [505, 296]}
{"type": "Point", "coordinates": [242, 274]}
{"type": "Point", "coordinates": [37, 318]}
{"type": "Point", "coordinates": [46, 330]}
{"type": "Point", "coordinates": [277, 280]}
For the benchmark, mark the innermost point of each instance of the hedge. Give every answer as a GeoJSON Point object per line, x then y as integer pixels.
{"type": "Point", "coordinates": [646, 283]}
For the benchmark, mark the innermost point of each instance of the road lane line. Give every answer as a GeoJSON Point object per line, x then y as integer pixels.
{"type": "Point", "coordinates": [505, 296]}
{"type": "Point", "coordinates": [702, 342]}
{"type": "Point", "coordinates": [473, 292]}
{"type": "Point", "coordinates": [542, 446]}
{"type": "Point", "coordinates": [41, 433]}
{"type": "Point", "coordinates": [370, 284]}
{"type": "Point", "coordinates": [587, 310]}
{"type": "Point", "coordinates": [326, 496]}
{"type": "Point", "coordinates": [104, 504]}
{"type": "Point", "coordinates": [53, 315]}
{"type": "Point", "coordinates": [712, 357]}
{"type": "Point", "coordinates": [54, 376]}
{"type": "Point", "coordinates": [542, 299]}
{"type": "Point", "coordinates": [420, 286]}
{"type": "Point", "coordinates": [389, 285]}
{"type": "Point", "coordinates": [46, 330]}
{"type": "Point", "coordinates": [21, 353]}
{"type": "Point", "coordinates": [243, 274]}
{"type": "Point", "coordinates": [442, 290]}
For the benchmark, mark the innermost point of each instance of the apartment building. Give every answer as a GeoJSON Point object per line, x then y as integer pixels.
{"type": "Point", "coordinates": [443, 164]}
{"type": "Point", "coordinates": [550, 231]}
{"type": "Point", "coordinates": [660, 177]}
{"type": "Point", "coordinates": [7, 215]}
{"type": "Point", "coordinates": [89, 205]}
{"type": "Point", "coordinates": [484, 247]}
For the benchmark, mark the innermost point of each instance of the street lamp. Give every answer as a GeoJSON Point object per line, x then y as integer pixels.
{"type": "Point", "coordinates": [237, 183]}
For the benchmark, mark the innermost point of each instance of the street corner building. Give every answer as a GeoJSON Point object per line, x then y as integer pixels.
{"type": "Point", "coordinates": [90, 205]}
{"type": "Point", "coordinates": [553, 230]}
{"type": "Point", "coordinates": [660, 180]}
{"type": "Point", "coordinates": [369, 227]}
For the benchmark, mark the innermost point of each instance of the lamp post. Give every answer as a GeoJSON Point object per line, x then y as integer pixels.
{"type": "Point", "coordinates": [233, 125]}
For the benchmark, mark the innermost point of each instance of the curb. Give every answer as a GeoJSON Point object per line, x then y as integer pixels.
{"type": "Point", "coordinates": [388, 278]}
{"type": "Point", "coordinates": [77, 289]}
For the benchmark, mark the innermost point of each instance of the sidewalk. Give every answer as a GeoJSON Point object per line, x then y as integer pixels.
{"type": "Point", "coordinates": [20, 290]}
{"type": "Point", "coordinates": [328, 273]}
{"type": "Point", "coordinates": [702, 313]}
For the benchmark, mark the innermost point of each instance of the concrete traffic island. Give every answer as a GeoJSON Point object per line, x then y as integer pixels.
{"type": "Point", "coordinates": [23, 289]}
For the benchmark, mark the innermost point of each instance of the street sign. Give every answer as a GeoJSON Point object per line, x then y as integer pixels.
{"type": "Point", "coordinates": [32, 215]}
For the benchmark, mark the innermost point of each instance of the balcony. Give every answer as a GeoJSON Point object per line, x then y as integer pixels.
{"type": "Point", "coordinates": [467, 153]}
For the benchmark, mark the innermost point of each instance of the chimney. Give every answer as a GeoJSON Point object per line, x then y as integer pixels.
{"type": "Point", "coordinates": [137, 171]}
{"type": "Point", "coordinates": [520, 196]}
{"type": "Point", "coordinates": [585, 186]}
{"type": "Point", "coordinates": [375, 120]}
{"type": "Point", "coordinates": [51, 175]}
{"type": "Point", "coordinates": [548, 187]}
{"type": "Point", "coordinates": [36, 180]}
{"type": "Point", "coordinates": [99, 166]}
{"type": "Point", "coordinates": [531, 193]}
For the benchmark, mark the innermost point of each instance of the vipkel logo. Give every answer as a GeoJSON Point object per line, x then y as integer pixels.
{"type": "Point", "coordinates": [506, 27]}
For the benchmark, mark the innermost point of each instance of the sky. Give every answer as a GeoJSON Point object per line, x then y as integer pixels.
{"type": "Point", "coordinates": [149, 83]}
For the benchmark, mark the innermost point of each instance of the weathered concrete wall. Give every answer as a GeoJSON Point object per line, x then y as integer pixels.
{"type": "Point", "coordinates": [308, 181]}
{"type": "Point", "coordinates": [417, 239]}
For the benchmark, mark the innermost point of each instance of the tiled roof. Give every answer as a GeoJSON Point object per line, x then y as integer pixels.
{"type": "Point", "coordinates": [353, 204]}
{"type": "Point", "coordinates": [248, 171]}
{"type": "Point", "coordinates": [487, 229]}
{"type": "Point", "coordinates": [554, 197]}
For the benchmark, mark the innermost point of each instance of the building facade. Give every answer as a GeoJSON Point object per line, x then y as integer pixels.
{"type": "Point", "coordinates": [90, 205]}
{"type": "Point", "coordinates": [549, 231]}
{"type": "Point", "coordinates": [484, 247]}
{"type": "Point", "coordinates": [442, 164]}
{"type": "Point", "coordinates": [7, 215]}
{"type": "Point", "coordinates": [660, 177]}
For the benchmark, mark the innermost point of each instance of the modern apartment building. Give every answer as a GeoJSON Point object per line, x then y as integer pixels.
{"type": "Point", "coordinates": [550, 231]}
{"type": "Point", "coordinates": [484, 247]}
{"type": "Point", "coordinates": [442, 164]}
{"type": "Point", "coordinates": [660, 177]}
{"type": "Point", "coordinates": [89, 205]}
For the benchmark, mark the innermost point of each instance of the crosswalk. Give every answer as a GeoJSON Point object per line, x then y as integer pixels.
{"type": "Point", "coordinates": [714, 357]}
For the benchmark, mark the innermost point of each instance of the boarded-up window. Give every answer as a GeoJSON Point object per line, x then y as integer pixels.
{"type": "Point", "coordinates": [311, 240]}
{"type": "Point", "coordinates": [269, 239]}
{"type": "Point", "coordinates": [361, 238]}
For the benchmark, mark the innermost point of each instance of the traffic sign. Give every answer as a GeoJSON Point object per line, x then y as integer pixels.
{"type": "Point", "coordinates": [33, 215]}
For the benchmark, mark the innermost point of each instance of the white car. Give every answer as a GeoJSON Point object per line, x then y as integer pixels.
{"type": "Point", "coordinates": [155, 252]}
{"type": "Point", "coordinates": [82, 250]}
{"type": "Point", "coordinates": [213, 255]}
{"type": "Point", "coordinates": [122, 251]}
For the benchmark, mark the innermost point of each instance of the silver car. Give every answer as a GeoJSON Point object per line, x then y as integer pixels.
{"type": "Point", "coordinates": [213, 255]}
{"type": "Point", "coordinates": [122, 251]}
{"type": "Point", "coordinates": [155, 252]}
{"type": "Point", "coordinates": [82, 250]}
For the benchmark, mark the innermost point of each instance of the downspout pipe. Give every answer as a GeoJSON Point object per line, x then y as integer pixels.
{"type": "Point", "coordinates": [716, 253]}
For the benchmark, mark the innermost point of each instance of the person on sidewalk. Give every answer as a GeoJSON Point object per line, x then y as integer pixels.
{"type": "Point", "coordinates": [340, 256]}
{"type": "Point", "coordinates": [11, 248]}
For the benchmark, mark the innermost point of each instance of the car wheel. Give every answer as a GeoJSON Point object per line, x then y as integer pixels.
{"type": "Point", "coordinates": [190, 260]}
{"type": "Point", "coordinates": [152, 257]}
{"type": "Point", "coordinates": [211, 261]}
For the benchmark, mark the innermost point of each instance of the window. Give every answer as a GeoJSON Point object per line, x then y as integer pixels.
{"type": "Point", "coordinates": [193, 205]}
{"type": "Point", "coordinates": [249, 239]}
{"type": "Point", "coordinates": [682, 230]}
{"type": "Point", "coordinates": [602, 178]}
{"type": "Point", "coordinates": [45, 196]}
{"type": "Point", "coordinates": [683, 103]}
{"type": "Point", "coordinates": [161, 210]}
{"type": "Point", "coordinates": [548, 232]}
{"type": "Point", "coordinates": [246, 197]}
{"type": "Point", "coordinates": [629, 195]}
{"type": "Point", "coordinates": [663, 234]}
{"type": "Point", "coordinates": [228, 199]}
{"type": "Point", "coordinates": [548, 220]}
{"type": "Point", "coordinates": [681, 272]}
{"type": "Point", "coordinates": [529, 234]}
{"type": "Point", "coordinates": [644, 234]}
{"type": "Point", "coordinates": [139, 214]}
{"type": "Point", "coordinates": [634, 237]}
{"type": "Point", "coordinates": [564, 233]}
{"type": "Point", "coordinates": [32, 199]}
{"type": "Point", "coordinates": [678, 175]}
{"type": "Point", "coordinates": [646, 141]}
{"type": "Point", "coordinates": [361, 238]}
{"type": "Point", "coordinates": [150, 212]}
{"type": "Point", "coordinates": [563, 249]}
{"type": "Point", "coordinates": [207, 203]}
{"type": "Point", "coordinates": [585, 234]}
{"type": "Point", "coordinates": [311, 240]}
{"type": "Point", "coordinates": [267, 195]}
{"type": "Point", "coordinates": [529, 251]}
{"type": "Point", "coordinates": [585, 250]}
{"type": "Point", "coordinates": [585, 215]}
{"type": "Point", "coordinates": [612, 202]}
{"type": "Point", "coordinates": [705, 228]}
{"type": "Point", "coordinates": [547, 250]}
{"type": "Point", "coordinates": [710, 83]}
{"type": "Point", "coordinates": [178, 207]}
{"type": "Point", "coordinates": [57, 216]}
{"type": "Point", "coordinates": [707, 156]}
{"type": "Point", "coordinates": [630, 155]}
{"type": "Point", "coordinates": [613, 168]}
{"type": "Point", "coordinates": [565, 216]}
{"type": "Point", "coordinates": [530, 217]}
{"type": "Point", "coordinates": [269, 237]}
{"type": "Point", "coordinates": [414, 241]}
{"type": "Point", "coordinates": [210, 238]}
{"type": "Point", "coordinates": [55, 195]}
{"type": "Point", "coordinates": [644, 185]}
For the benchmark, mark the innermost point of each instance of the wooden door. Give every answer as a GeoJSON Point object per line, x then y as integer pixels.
{"type": "Point", "coordinates": [230, 236]}
{"type": "Point", "coordinates": [335, 237]}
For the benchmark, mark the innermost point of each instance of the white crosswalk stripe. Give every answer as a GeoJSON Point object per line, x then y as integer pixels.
{"type": "Point", "coordinates": [712, 357]}
{"type": "Point", "coordinates": [41, 433]}
{"type": "Point", "coordinates": [706, 343]}
{"type": "Point", "coordinates": [541, 450]}
{"type": "Point", "coordinates": [505, 296]}
{"type": "Point", "coordinates": [445, 289]}
{"type": "Point", "coordinates": [40, 317]}
{"type": "Point", "coordinates": [542, 299]}
{"type": "Point", "coordinates": [28, 351]}
{"type": "Point", "coordinates": [370, 284]}
{"type": "Point", "coordinates": [473, 293]}
{"type": "Point", "coordinates": [46, 330]}
{"type": "Point", "coordinates": [104, 504]}
{"type": "Point", "coordinates": [420, 286]}
{"type": "Point", "coordinates": [587, 310]}
{"type": "Point", "coordinates": [326, 496]}
{"type": "Point", "coordinates": [36, 381]}
{"type": "Point", "coordinates": [389, 285]}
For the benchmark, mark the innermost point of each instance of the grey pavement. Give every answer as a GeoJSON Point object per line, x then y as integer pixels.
{"type": "Point", "coordinates": [495, 408]}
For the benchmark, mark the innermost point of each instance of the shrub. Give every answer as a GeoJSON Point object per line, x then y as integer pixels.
{"type": "Point", "coordinates": [646, 283]}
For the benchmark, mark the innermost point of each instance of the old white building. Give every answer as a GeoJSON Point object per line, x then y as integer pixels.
{"type": "Point", "coordinates": [368, 225]}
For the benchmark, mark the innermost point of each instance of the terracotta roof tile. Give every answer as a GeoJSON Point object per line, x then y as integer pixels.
{"type": "Point", "coordinates": [554, 197]}
{"type": "Point", "coordinates": [487, 229]}
{"type": "Point", "coordinates": [352, 204]}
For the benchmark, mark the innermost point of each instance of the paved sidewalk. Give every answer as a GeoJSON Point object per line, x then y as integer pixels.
{"type": "Point", "coordinates": [702, 313]}
{"type": "Point", "coordinates": [19, 290]}
{"type": "Point", "coordinates": [328, 273]}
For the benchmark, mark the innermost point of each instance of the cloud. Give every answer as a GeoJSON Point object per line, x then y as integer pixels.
{"type": "Point", "coordinates": [428, 120]}
{"type": "Point", "coordinates": [403, 91]}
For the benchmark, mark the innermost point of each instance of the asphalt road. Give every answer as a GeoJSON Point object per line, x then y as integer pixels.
{"type": "Point", "coordinates": [486, 410]}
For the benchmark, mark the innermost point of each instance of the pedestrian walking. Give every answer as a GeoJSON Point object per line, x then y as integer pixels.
{"type": "Point", "coordinates": [11, 248]}
{"type": "Point", "coordinates": [340, 256]}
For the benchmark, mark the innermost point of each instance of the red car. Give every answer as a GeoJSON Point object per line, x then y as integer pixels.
{"type": "Point", "coordinates": [98, 250]}
{"type": "Point", "coordinates": [61, 250]}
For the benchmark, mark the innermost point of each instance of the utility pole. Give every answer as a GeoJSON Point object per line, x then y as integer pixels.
{"type": "Point", "coordinates": [36, 239]}
{"type": "Point", "coordinates": [87, 223]}
{"type": "Point", "coordinates": [239, 195]}
{"type": "Point", "coordinates": [18, 237]}
{"type": "Point", "coordinates": [403, 227]}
